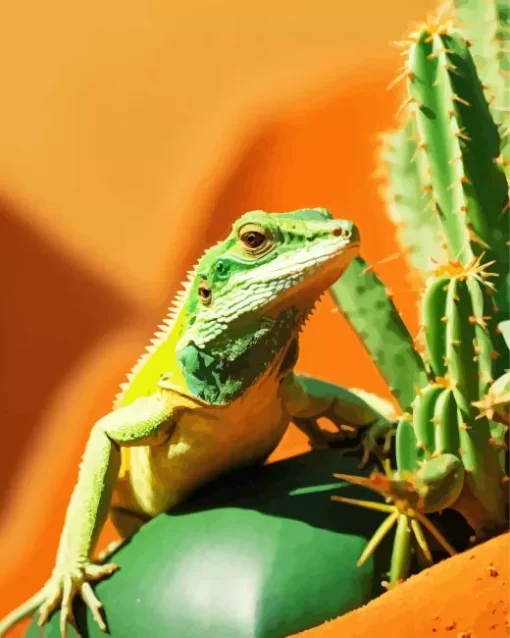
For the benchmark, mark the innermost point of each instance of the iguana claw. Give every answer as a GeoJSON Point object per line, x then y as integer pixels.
{"type": "Point", "coordinates": [62, 588]}
{"type": "Point", "coordinates": [377, 440]}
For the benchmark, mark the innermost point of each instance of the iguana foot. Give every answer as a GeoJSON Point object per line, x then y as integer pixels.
{"type": "Point", "coordinates": [62, 588]}
{"type": "Point", "coordinates": [377, 441]}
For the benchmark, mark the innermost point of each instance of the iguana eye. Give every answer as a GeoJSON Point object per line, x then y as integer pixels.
{"type": "Point", "coordinates": [204, 293]}
{"type": "Point", "coordinates": [254, 237]}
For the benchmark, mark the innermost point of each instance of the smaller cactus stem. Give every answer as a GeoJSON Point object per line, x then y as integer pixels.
{"type": "Point", "coordinates": [401, 556]}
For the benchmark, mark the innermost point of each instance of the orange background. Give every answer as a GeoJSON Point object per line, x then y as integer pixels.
{"type": "Point", "coordinates": [131, 135]}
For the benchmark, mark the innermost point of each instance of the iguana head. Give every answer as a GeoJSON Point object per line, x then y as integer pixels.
{"type": "Point", "coordinates": [269, 264]}
{"type": "Point", "coordinates": [251, 293]}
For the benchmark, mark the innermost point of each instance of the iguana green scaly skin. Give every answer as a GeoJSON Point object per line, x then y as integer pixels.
{"type": "Point", "coordinates": [215, 391]}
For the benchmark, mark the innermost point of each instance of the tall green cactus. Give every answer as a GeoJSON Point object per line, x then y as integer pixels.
{"type": "Point", "coordinates": [450, 441]}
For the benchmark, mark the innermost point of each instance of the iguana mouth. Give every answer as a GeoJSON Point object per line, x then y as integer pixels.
{"type": "Point", "coordinates": [306, 282]}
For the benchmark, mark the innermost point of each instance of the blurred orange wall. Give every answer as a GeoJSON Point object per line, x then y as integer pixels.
{"type": "Point", "coordinates": [131, 135]}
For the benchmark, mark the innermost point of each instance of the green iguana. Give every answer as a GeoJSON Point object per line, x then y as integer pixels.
{"type": "Point", "coordinates": [215, 391]}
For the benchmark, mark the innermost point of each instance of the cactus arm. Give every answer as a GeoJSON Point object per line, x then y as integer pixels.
{"type": "Point", "coordinates": [486, 190]}
{"type": "Point", "coordinates": [495, 405]}
{"type": "Point", "coordinates": [423, 420]}
{"type": "Point", "coordinates": [439, 138]}
{"type": "Point", "coordinates": [439, 481]}
{"type": "Point", "coordinates": [461, 143]}
{"type": "Point", "coordinates": [460, 349]}
{"type": "Point", "coordinates": [433, 307]}
{"type": "Point", "coordinates": [446, 425]}
{"type": "Point", "coordinates": [364, 301]}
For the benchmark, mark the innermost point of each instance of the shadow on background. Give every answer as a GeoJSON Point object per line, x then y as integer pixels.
{"type": "Point", "coordinates": [53, 311]}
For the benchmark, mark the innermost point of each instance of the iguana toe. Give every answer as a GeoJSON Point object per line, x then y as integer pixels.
{"type": "Point", "coordinates": [64, 587]}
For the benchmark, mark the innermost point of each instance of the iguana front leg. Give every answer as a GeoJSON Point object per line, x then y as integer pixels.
{"type": "Point", "coordinates": [308, 399]}
{"type": "Point", "coordinates": [146, 421]}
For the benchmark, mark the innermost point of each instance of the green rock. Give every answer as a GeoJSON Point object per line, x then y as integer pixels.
{"type": "Point", "coordinates": [261, 553]}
